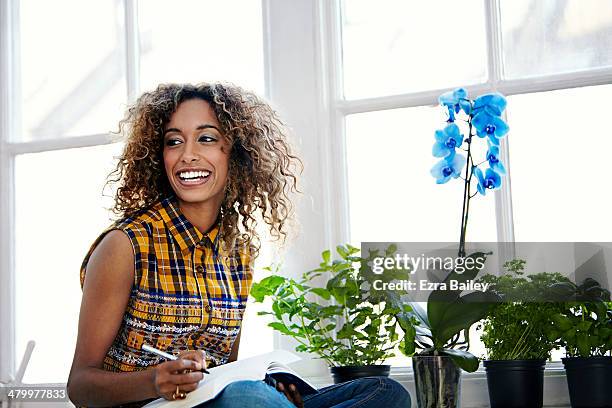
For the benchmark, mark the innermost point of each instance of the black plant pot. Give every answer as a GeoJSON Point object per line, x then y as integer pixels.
{"type": "Point", "coordinates": [589, 380]}
{"type": "Point", "coordinates": [515, 383]}
{"type": "Point", "coordinates": [347, 373]}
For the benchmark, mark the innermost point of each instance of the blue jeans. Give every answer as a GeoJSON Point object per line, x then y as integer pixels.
{"type": "Point", "coordinates": [369, 392]}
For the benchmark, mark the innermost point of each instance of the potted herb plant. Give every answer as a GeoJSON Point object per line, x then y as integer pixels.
{"type": "Point", "coordinates": [345, 321]}
{"type": "Point", "coordinates": [515, 336]}
{"type": "Point", "coordinates": [442, 338]}
{"type": "Point", "coordinates": [584, 329]}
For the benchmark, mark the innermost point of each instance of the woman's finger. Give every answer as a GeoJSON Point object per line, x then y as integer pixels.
{"type": "Point", "coordinates": [199, 356]}
{"type": "Point", "coordinates": [291, 393]}
{"type": "Point", "coordinates": [192, 377]}
{"type": "Point", "coordinates": [296, 396]}
{"type": "Point", "coordinates": [181, 364]}
{"type": "Point", "coordinates": [281, 388]}
{"type": "Point", "coordinates": [181, 373]}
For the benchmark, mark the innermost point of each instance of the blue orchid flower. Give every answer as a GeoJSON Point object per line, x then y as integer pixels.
{"type": "Point", "coordinates": [447, 140]}
{"type": "Point", "coordinates": [455, 100]}
{"type": "Point", "coordinates": [489, 181]}
{"type": "Point", "coordinates": [490, 125]}
{"type": "Point", "coordinates": [448, 167]}
{"type": "Point", "coordinates": [493, 159]}
{"type": "Point", "coordinates": [492, 103]}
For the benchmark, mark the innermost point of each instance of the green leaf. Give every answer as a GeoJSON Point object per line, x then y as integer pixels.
{"type": "Point", "coordinates": [391, 249]}
{"type": "Point", "coordinates": [326, 255]}
{"type": "Point", "coordinates": [281, 328]}
{"type": "Point", "coordinates": [266, 287]}
{"type": "Point", "coordinates": [324, 293]}
{"type": "Point", "coordinates": [467, 361]}
{"type": "Point", "coordinates": [420, 313]}
{"type": "Point", "coordinates": [459, 315]}
{"type": "Point", "coordinates": [584, 347]}
{"type": "Point", "coordinates": [347, 331]}
{"type": "Point", "coordinates": [352, 250]}
{"type": "Point", "coordinates": [562, 322]}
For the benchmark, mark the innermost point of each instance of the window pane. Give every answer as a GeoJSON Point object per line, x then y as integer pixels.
{"type": "Point", "coordinates": [560, 153]}
{"type": "Point", "coordinates": [397, 46]}
{"type": "Point", "coordinates": [59, 212]}
{"type": "Point", "coordinates": [546, 37]}
{"type": "Point", "coordinates": [72, 68]}
{"type": "Point", "coordinates": [392, 195]}
{"type": "Point", "coordinates": [201, 41]}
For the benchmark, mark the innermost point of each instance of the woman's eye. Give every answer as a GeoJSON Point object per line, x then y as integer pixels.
{"type": "Point", "coordinates": [172, 142]}
{"type": "Point", "coordinates": [206, 138]}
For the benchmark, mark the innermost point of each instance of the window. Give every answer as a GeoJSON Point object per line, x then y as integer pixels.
{"type": "Point", "coordinates": [70, 84]}
{"type": "Point", "coordinates": [550, 37]}
{"type": "Point", "coordinates": [393, 198]}
{"type": "Point", "coordinates": [72, 79]}
{"type": "Point", "coordinates": [383, 46]}
{"type": "Point", "coordinates": [201, 41]}
{"type": "Point", "coordinates": [557, 155]}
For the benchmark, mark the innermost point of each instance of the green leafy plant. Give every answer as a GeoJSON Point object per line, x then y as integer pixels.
{"type": "Point", "coordinates": [346, 321]}
{"type": "Point", "coordinates": [515, 329]}
{"type": "Point", "coordinates": [584, 324]}
{"type": "Point", "coordinates": [443, 329]}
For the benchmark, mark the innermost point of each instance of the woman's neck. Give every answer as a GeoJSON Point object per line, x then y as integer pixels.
{"type": "Point", "coordinates": [202, 215]}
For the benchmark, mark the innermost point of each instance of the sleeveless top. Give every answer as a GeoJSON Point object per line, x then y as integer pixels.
{"type": "Point", "coordinates": [187, 293]}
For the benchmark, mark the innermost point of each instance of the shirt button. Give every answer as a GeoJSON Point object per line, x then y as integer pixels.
{"type": "Point", "coordinates": [207, 308]}
{"type": "Point", "coordinates": [199, 268]}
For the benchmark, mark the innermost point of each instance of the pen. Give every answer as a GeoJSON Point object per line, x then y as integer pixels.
{"type": "Point", "coordinates": [167, 356]}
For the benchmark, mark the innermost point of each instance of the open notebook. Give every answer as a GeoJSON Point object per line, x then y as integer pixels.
{"type": "Point", "coordinates": [269, 367]}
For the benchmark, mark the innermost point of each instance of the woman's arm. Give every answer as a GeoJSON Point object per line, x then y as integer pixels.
{"type": "Point", "coordinates": [106, 291]}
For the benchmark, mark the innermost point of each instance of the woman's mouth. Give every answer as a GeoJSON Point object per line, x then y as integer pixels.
{"type": "Point", "coordinates": [193, 178]}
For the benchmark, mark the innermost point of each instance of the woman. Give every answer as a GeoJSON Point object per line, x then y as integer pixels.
{"type": "Point", "coordinates": [200, 165]}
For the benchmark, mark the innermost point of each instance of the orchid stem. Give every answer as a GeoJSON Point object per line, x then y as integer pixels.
{"type": "Point", "coordinates": [466, 193]}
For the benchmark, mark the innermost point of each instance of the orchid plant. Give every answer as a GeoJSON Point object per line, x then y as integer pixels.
{"type": "Point", "coordinates": [482, 117]}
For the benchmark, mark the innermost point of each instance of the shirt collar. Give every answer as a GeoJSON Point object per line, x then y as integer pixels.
{"type": "Point", "coordinates": [183, 231]}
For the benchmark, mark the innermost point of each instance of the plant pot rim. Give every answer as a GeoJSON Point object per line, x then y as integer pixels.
{"type": "Point", "coordinates": [586, 358]}
{"type": "Point", "coordinates": [431, 356]}
{"type": "Point", "coordinates": [360, 366]}
{"type": "Point", "coordinates": [521, 361]}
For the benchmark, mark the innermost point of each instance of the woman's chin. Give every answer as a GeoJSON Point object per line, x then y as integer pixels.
{"type": "Point", "coordinates": [198, 197]}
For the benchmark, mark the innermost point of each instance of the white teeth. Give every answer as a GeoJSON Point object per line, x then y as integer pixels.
{"type": "Point", "coordinates": [194, 174]}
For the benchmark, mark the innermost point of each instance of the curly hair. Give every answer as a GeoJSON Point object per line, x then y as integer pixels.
{"type": "Point", "coordinates": [262, 169]}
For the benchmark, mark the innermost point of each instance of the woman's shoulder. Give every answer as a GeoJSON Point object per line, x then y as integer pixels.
{"type": "Point", "coordinates": [140, 223]}
{"type": "Point", "coordinates": [139, 228]}
{"type": "Point", "coordinates": [144, 218]}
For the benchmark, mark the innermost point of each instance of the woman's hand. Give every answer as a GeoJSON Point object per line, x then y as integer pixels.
{"type": "Point", "coordinates": [291, 393]}
{"type": "Point", "coordinates": [183, 372]}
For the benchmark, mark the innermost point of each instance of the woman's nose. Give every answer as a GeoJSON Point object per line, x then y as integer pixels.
{"type": "Point", "coordinates": [189, 154]}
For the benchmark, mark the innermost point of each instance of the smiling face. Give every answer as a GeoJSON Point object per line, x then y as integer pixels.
{"type": "Point", "coordinates": [196, 154]}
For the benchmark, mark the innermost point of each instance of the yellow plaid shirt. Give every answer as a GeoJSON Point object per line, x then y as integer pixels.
{"type": "Point", "coordinates": [187, 293]}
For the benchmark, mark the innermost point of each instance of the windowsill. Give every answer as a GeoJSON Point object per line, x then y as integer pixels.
{"type": "Point", "coordinates": [474, 392]}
